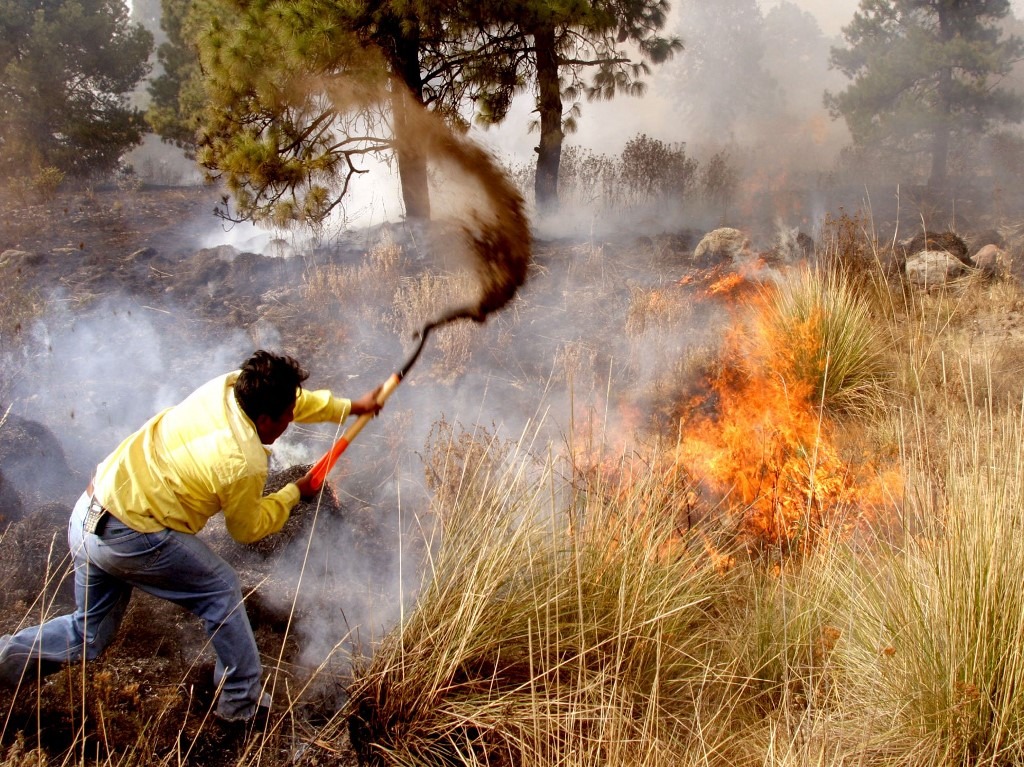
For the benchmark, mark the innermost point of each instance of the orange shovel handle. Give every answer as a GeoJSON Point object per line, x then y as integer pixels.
{"type": "Point", "coordinates": [323, 467]}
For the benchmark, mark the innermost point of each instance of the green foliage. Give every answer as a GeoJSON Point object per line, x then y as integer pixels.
{"type": "Point", "coordinates": [177, 95]}
{"type": "Point", "coordinates": [554, 45]}
{"type": "Point", "coordinates": [925, 75]}
{"type": "Point", "coordinates": [293, 93]}
{"type": "Point", "coordinates": [290, 99]}
{"type": "Point", "coordinates": [47, 181]}
{"type": "Point", "coordinates": [66, 69]}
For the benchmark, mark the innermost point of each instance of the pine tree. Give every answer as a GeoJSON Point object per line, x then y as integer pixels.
{"type": "Point", "coordinates": [551, 46]}
{"type": "Point", "coordinates": [288, 114]}
{"type": "Point", "coordinates": [925, 75]}
{"type": "Point", "coordinates": [293, 100]}
{"type": "Point", "coordinates": [66, 71]}
{"type": "Point", "coordinates": [723, 84]}
{"type": "Point", "coordinates": [176, 93]}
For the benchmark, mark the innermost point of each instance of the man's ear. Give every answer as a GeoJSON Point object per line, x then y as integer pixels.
{"type": "Point", "coordinates": [261, 423]}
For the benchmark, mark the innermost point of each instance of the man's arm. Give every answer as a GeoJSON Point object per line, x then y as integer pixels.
{"type": "Point", "coordinates": [365, 405]}
{"type": "Point", "coordinates": [249, 515]}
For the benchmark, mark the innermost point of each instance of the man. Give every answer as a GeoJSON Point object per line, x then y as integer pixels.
{"type": "Point", "coordinates": [135, 525]}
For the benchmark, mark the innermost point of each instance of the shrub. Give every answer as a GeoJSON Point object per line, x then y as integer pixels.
{"type": "Point", "coordinates": [47, 182]}
{"type": "Point", "coordinates": [652, 169]}
{"type": "Point", "coordinates": [719, 180]}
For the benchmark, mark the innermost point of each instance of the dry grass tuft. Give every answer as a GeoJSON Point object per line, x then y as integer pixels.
{"type": "Point", "coordinates": [332, 292]}
{"type": "Point", "coordinates": [418, 300]}
{"type": "Point", "coordinates": [549, 624]}
{"type": "Point", "coordinates": [813, 329]}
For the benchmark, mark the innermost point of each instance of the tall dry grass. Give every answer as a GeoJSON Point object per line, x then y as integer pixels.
{"type": "Point", "coordinates": [581, 624]}
{"type": "Point", "coordinates": [552, 625]}
{"type": "Point", "coordinates": [945, 611]}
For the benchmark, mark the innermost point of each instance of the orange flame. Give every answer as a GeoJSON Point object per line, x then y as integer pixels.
{"type": "Point", "coordinates": [761, 442]}
{"type": "Point", "coordinates": [756, 445]}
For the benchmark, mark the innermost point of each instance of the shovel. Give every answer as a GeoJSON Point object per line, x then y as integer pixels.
{"type": "Point", "coordinates": [323, 467]}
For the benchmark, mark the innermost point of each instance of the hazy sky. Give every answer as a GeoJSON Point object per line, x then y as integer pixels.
{"type": "Point", "coordinates": [834, 14]}
{"type": "Point", "coordinates": [831, 14]}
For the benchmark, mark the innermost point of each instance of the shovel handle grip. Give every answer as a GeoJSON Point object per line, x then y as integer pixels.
{"type": "Point", "coordinates": [323, 467]}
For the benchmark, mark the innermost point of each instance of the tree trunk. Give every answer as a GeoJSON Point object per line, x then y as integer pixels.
{"type": "Point", "coordinates": [549, 104]}
{"type": "Point", "coordinates": [940, 133]}
{"type": "Point", "coordinates": [406, 99]}
{"type": "Point", "coordinates": [940, 157]}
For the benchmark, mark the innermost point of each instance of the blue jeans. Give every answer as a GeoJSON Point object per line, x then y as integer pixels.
{"type": "Point", "coordinates": [174, 566]}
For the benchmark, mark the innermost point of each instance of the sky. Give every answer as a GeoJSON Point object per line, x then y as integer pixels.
{"type": "Point", "coordinates": [831, 14]}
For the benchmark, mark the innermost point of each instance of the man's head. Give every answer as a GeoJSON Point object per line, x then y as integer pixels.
{"type": "Point", "coordinates": [266, 390]}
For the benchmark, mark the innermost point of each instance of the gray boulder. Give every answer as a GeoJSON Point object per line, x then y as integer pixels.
{"type": "Point", "coordinates": [722, 245]}
{"type": "Point", "coordinates": [930, 269]}
{"type": "Point", "coordinates": [993, 261]}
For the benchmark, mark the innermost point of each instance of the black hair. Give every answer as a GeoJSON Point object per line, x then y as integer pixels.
{"type": "Point", "coordinates": [268, 384]}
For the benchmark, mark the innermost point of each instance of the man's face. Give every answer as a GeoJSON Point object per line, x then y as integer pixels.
{"type": "Point", "coordinates": [270, 429]}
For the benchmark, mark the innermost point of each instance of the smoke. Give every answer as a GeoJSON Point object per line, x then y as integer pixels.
{"type": "Point", "coordinates": [100, 371]}
{"type": "Point", "coordinates": [350, 577]}
{"type": "Point", "coordinates": [750, 81]}
{"type": "Point", "coordinates": [831, 15]}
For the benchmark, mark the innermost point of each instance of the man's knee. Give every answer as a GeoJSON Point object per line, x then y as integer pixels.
{"type": "Point", "coordinates": [228, 598]}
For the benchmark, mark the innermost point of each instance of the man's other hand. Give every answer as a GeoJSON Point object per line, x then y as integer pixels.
{"type": "Point", "coordinates": [367, 404]}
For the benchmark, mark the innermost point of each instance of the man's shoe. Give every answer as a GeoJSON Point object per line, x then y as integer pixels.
{"type": "Point", "coordinates": [260, 721]}
{"type": "Point", "coordinates": [260, 716]}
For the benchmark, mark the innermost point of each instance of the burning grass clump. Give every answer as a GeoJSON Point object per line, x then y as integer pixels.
{"type": "Point", "coordinates": [815, 332]}
{"type": "Point", "coordinates": [551, 623]}
{"type": "Point", "coordinates": [765, 438]}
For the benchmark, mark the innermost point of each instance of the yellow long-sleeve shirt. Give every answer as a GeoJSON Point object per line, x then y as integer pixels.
{"type": "Point", "coordinates": [203, 456]}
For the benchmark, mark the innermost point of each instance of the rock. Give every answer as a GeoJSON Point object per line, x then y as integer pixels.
{"type": "Point", "coordinates": [987, 237]}
{"type": "Point", "coordinates": [931, 269]}
{"type": "Point", "coordinates": [34, 464]}
{"type": "Point", "coordinates": [721, 246]}
{"type": "Point", "coordinates": [935, 241]}
{"type": "Point", "coordinates": [279, 248]}
{"type": "Point", "coordinates": [993, 261]}
{"type": "Point", "coordinates": [225, 253]}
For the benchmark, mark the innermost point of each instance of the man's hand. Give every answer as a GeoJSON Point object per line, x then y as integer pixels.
{"type": "Point", "coordinates": [367, 404]}
{"type": "Point", "coordinates": [305, 485]}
